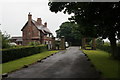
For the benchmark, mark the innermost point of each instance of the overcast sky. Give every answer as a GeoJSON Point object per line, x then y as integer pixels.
{"type": "Point", "coordinates": [14, 15]}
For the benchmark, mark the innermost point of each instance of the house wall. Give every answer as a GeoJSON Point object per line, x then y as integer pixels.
{"type": "Point", "coordinates": [47, 40]}
{"type": "Point", "coordinates": [28, 32]}
{"type": "Point", "coordinates": [31, 31]}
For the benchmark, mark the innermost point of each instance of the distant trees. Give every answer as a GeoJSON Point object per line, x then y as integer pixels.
{"type": "Point", "coordinates": [68, 30]}
{"type": "Point", "coordinates": [97, 19]}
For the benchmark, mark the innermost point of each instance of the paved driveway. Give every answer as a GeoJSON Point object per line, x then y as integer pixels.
{"type": "Point", "coordinates": [69, 64]}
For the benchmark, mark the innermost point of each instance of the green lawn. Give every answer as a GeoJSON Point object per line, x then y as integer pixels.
{"type": "Point", "coordinates": [19, 63]}
{"type": "Point", "coordinates": [104, 63]}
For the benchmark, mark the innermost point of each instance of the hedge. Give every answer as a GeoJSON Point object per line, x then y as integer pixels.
{"type": "Point", "coordinates": [104, 48]}
{"type": "Point", "coordinates": [108, 49]}
{"type": "Point", "coordinates": [16, 53]}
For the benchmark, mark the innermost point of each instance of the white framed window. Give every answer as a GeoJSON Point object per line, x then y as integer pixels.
{"type": "Point", "coordinates": [47, 35]}
{"type": "Point", "coordinates": [46, 42]}
{"type": "Point", "coordinates": [39, 33]}
{"type": "Point", "coordinates": [50, 35]}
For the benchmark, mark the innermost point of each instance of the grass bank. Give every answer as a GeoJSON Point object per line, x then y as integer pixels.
{"type": "Point", "coordinates": [19, 63]}
{"type": "Point", "coordinates": [102, 61]}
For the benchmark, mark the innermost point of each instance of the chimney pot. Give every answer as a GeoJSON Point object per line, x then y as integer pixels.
{"type": "Point", "coordinates": [45, 24]}
{"type": "Point", "coordinates": [29, 16]}
{"type": "Point", "coordinates": [39, 21]}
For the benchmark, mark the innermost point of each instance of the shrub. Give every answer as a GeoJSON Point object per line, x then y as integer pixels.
{"type": "Point", "coordinates": [99, 41]}
{"type": "Point", "coordinates": [4, 39]}
{"type": "Point", "coordinates": [104, 48]}
{"type": "Point", "coordinates": [33, 44]}
{"type": "Point", "coordinates": [19, 52]}
{"type": "Point", "coordinates": [107, 48]}
{"type": "Point", "coordinates": [118, 43]}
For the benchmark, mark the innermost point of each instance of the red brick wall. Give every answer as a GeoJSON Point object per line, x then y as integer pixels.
{"type": "Point", "coordinates": [28, 33]}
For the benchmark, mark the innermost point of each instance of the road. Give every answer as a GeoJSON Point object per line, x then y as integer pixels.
{"type": "Point", "coordinates": [71, 63]}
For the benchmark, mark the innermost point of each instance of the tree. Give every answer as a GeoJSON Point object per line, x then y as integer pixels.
{"type": "Point", "coordinates": [97, 19]}
{"type": "Point", "coordinates": [68, 30]}
{"type": "Point", "coordinates": [4, 39]}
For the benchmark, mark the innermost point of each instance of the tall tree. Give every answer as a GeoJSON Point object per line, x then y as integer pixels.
{"type": "Point", "coordinates": [97, 19]}
{"type": "Point", "coordinates": [68, 30]}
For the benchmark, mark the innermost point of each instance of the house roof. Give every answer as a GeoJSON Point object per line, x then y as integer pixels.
{"type": "Point", "coordinates": [39, 27]}
{"type": "Point", "coordinates": [17, 38]}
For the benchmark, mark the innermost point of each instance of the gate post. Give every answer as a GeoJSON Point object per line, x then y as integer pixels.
{"type": "Point", "coordinates": [62, 43]}
{"type": "Point", "coordinates": [83, 43]}
{"type": "Point", "coordinates": [94, 43]}
{"type": "Point", "coordinates": [53, 43]}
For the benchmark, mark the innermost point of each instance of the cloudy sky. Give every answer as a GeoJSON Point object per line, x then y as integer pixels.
{"type": "Point", "coordinates": [14, 14]}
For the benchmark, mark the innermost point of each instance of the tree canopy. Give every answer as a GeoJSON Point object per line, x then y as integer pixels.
{"type": "Point", "coordinates": [97, 19]}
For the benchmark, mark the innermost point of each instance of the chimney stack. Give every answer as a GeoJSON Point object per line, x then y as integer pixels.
{"type": "Point", "coordinates": [29, 18]}
{"type": "Point", "coordinates": [45, 24]}
{"type": "Point", "coordinates": [39, 21]}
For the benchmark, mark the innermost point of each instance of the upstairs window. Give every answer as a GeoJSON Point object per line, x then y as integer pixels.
{"type": "Point", "coordinates": [47, 35]}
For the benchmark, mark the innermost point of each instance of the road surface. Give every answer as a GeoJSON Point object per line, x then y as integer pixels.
{"type": "Point", "coordinates": [71, 63]}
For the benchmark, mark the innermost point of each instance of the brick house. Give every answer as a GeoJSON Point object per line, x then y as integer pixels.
{"type": "Point", "coordinates": [35, 31]}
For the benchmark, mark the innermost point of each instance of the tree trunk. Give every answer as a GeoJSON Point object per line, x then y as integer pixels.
{"type": "Point", "coordinates": [113, 44]}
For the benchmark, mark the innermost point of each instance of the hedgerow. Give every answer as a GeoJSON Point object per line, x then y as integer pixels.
{"type": "Point", "coordinates": [108, 49]}
{"type": "Point", "coordinates": [19, 52]}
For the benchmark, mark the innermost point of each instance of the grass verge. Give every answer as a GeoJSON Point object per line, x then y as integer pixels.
{"type": "Point", "coordinates": [103, 62]}
{"type": "Point", "coordinates": [19, 63]}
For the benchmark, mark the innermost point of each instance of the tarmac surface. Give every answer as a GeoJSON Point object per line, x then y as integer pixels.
{"type": "Point", "coordinates": [71, 63]}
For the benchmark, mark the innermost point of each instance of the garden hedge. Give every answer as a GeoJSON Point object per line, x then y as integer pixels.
{"type": "Point", "coordinates": [16, 53]}
{"type": "Point", "coordinates": [105, 48]}
{"type": "Point", "coordinates": [108, 49]}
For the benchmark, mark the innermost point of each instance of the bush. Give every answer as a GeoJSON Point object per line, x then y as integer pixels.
{"type": "Point", "coordinates": [104, 48]}
{"type": "Point", "coordinates": [99, 41]}
{"type": "Point", "coordinates": [107, 48]}
{"type": "Point", "coordinates": [118, 44]}
{"type": "Point", "coordinates": [4, 39]}
{"type": "Point", "coordinates": [19, 52]}
{"type": "Point", "coordinates": [33, 44]}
